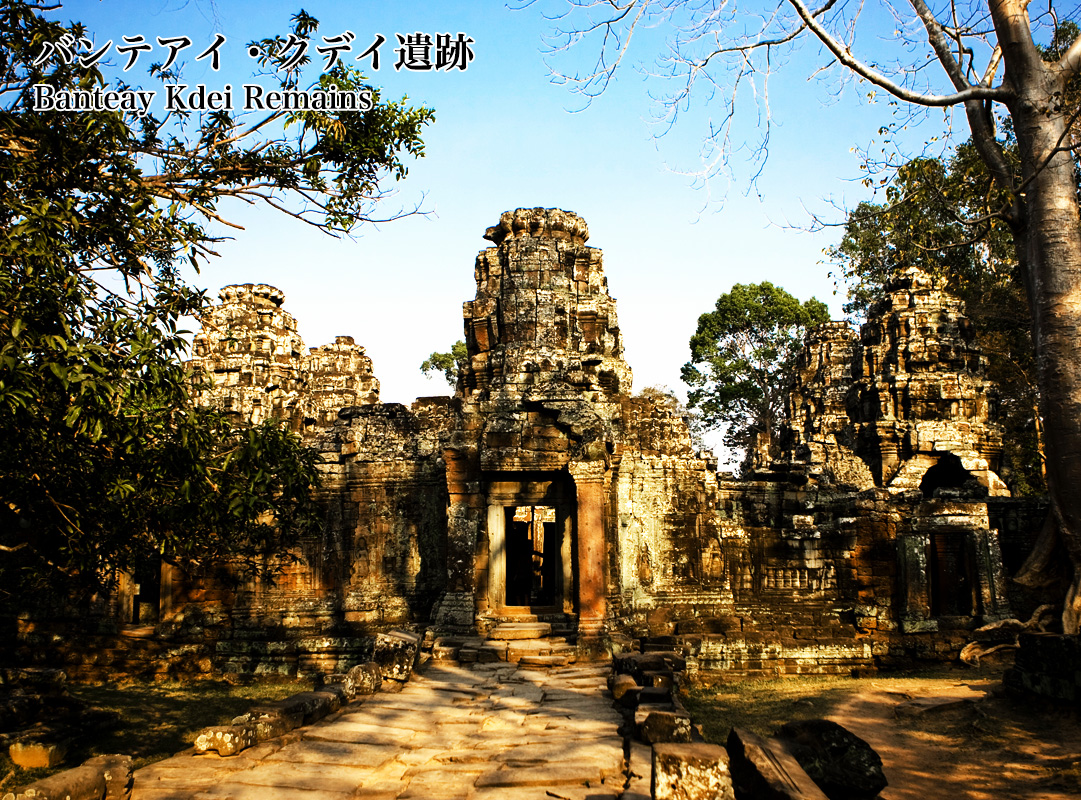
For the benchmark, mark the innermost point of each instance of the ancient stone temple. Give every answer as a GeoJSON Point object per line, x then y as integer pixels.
{"type": "Point", "coordinates": [546, 491]}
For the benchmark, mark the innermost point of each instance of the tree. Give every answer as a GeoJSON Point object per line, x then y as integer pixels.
{"type": "Point", "coordinates": [104, 458]}
{"type": "Point", "coordinates": [450, 364]}
{"type": "Point", "coordinates": [924, 221]}
{"type": "Point", "coordinates": [743, 356]}
{"type": "Point", "coordinates": [728, 46]}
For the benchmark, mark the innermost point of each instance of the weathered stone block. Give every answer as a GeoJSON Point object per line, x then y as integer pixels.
{"type": "Point", "coordinates": [310, 706]}
{"type": "Point", "coordinates": [841, 763]}
{"type": "Point", "coordinates": [665, 727]}
{"type": "Point", "coordinates": [34, 754]}
{"type": "Point", "coordinates": [118, 774]}
{"type": "Point", "coordinates": [90, 781]}
{"type": "Point", "coordinates": [764, 769]}
{"type": "Point", "coordinates": [621, 684]}
{"type": "Point", "coordinates": [396, 654]}
{"type": "Point", "coordinates": [655, 694]}
{"type": "Point", "coordinates": [269, 722]}
{"type": "Point", "coordinates": [345, 680]}
{"type": "Point", "coordinates": [227, 740]}
{"type": "Point", "coordinates": [366, 678]}
{"type": "Point", "coordinates": [691, 772]}
{"type": "Point", "coordinates": [338, 690]}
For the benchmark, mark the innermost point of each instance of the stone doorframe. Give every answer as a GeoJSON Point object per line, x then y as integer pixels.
{"type": "Point", "coordinates": [967, 521]}
{"type": "Point", "coordinates": [507, 490]}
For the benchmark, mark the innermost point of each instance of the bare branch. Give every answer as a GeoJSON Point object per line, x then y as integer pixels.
{"type": "Point", "coordinates": [844, 55]}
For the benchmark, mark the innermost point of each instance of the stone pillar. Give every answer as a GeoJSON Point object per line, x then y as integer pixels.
{"type": "Point", "coordinates": [591, 557]}
{"type": "Point", "coordinates": [915, 587]}
{"type": "Point", "coordinates": [994, 604]}
{"type": "Point", "coordinates": [497, 558]}
{"type": "Point", "coordinates": [458, 606]}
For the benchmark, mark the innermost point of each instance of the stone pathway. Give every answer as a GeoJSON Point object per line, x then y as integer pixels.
{"type": "Point", "coordinates": [452, 733]}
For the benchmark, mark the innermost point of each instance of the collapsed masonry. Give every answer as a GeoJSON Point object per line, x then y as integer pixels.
{"type": "Point", "coordinates": [544, 487]}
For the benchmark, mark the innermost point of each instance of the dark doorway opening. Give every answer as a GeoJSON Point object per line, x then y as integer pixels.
{"type": "Point", "coordinates": [146, 602]}
{"type": "Point", "coordinates": [533, 550]}
{"type": "Point", "coordinates": [947, 473]}
{"type": "Point", "coordinates": [953, 579]}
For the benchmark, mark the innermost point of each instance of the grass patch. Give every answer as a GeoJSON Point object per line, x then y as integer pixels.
{"type": "Point", "coordinates": [156, 720]}
{"type": "Point", "coordinates": [762, 706]}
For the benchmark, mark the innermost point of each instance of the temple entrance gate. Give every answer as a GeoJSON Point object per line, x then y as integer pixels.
{"type": "Point", "coordinates": [530, 543]}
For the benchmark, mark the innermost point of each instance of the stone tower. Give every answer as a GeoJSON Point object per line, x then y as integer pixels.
{"type": "Point", "coordinates": [542, 316]}
{"type": "Point", "coordinates": [253, 359]}
{"type": "Point", "coordinates": [907, 394]}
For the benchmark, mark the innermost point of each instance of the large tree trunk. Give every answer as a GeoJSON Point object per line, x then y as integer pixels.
{"type": "Point", "coordinates": [1047, 233]}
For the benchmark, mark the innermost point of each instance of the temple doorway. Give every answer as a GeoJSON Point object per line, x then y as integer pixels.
{"type": "Point", "coordinates": [952, 575]}
{"type": "Point", "coordinates": [530, 530]}
{"type": "Point", "coordinates": [532, 555]}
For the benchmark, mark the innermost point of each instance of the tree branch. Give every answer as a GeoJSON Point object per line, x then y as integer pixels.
{"type": "Point", "coordinates": [844, 55]}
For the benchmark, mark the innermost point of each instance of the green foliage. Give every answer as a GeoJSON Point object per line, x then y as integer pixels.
{"type": "Point", "coordinates": [104, 458]}
{"type": "Point", "coordinates": [742, 359]}
{"type": "Point", "coordinates": [940, 216]}
{"type": "Point", "coordinates": [450, 364]}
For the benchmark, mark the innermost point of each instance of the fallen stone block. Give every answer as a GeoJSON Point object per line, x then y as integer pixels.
{"type": "Point", "coordinates": [107, 777]}
{"type": "Point", "coordinates": [621, 684]}
{"type": "Point", "coordinates": [691, 772]}
{"type": "Point", "coordinates": [366, 678]}
{"type": "Point", "coordinates": [269, 722]}
{"type": "Point", "coordinates": [86, 782]}
{"type": "Point", "coordinates": [338, 690]}
{"type": "Point", "coordinates": [658, 678]}
{"type": "Point", "coordinates": [841, 763]}
{"type": "Point", "coordinates": [641, 714]}
{"type": "Point", "coordinates": [310, 706]}
{"type": "Point", "coordinates": [396, 654]}
{"type": "Point", "coordinates": [655, 694]}
{"type": "Point", "coordinates": [637, 664]}
{"type": "Point", "coordinates": [661, 727]}
{"type": "Point", "coordinates": [30, 754]}
{"type": "Point", "coordinates": [345, 680]}
{"type": "Point", "coordinates": [118, 773]}
{"type": "Point", "coordinates": [765, 770]}
{"type": "Point", "coordinates": [227, 740]}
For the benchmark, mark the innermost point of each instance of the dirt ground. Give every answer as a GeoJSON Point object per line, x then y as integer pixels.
{"type": "Point", "coordinates": [953, 735]}
{"type": "Point", "coordinates": [965, 739]}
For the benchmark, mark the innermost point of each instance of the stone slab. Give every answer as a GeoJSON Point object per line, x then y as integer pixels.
{"type": "Point", "coordinates": [317, 752]}
{"type": "Point", "coordinates": [520, 630]}
{"type": "Point", "coordinates": [764, 768]}
{"type": "Point", "coordinates": [547, 775]}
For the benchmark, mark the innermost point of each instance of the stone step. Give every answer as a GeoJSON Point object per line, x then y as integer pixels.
{"type": "Point", "coordinates": [520, 630]}
{"type": "Point", "coordinates": [519, 618]}
{"type": "Point", "coordinates": [545, 661]}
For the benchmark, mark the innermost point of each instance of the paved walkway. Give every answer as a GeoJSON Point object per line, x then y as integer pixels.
{"type": "Point", "coordinates": [452, 733]}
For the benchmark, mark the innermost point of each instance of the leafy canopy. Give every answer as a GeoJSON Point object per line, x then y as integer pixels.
{"type": "Point", "coordinates": [742, 359]}
{"type": "Point", "coordinates": [105, 461]}
{"type": "Point", "coordinates": [450, 364]}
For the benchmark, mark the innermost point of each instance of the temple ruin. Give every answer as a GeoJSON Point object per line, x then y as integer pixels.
{"type": "Point", "coordinates": [545, 491]}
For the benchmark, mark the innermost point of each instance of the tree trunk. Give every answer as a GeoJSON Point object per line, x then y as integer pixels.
{"type": "Point", "coordinates": [1047, 235]}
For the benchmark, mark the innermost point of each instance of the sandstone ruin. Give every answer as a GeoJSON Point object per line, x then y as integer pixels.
{"type": "Point", "coordinates": [545, 492]}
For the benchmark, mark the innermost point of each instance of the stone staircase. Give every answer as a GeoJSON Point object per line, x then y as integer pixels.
{"type": "Point", "coordinates": [529, 640]}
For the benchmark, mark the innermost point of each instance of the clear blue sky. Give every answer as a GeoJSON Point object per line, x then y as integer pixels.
{"type": "Point", "coordinates": [504, 138]}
